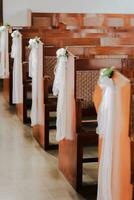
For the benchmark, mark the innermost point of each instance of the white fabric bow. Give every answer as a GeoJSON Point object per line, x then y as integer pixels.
{"type": "Point", "coordinates": [63, 87]}
{"type": "Point", "coordinates": [4, 56]}
{"type": "Point", "coordinates": [16, 54]}
{"type": "Point", "coordinates": [109, 129]}
{"type": "Point", "coordinates": [36, 73]}
{"type": "Point", "coordinates": [106, 116]}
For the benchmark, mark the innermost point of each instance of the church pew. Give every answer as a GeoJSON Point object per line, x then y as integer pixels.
{"type": "Point", "coordinates": [54, 19]}
{"type": "Point", "coordinates": [64, 41]}
{"type": "Point", "coordinates": [130, 74]}
{"type": "Point", "coordinates": [122, 187]}
{"type": "Point", "coordinates": [72, 167]}
{"type": "Point", "coordinates": [109, 50]}
{"type": "Point", "coordinates": [71, 151]}
{"type": "Point", "coordinates": [48, 20]}
{"type": "Point", "coordinates": [82, 20]}
{"type": "Point", "coordinates": [111, 41]}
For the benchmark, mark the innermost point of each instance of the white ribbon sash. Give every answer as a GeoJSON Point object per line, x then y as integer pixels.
{"type": "Point", "coordinates": [16, 54]}
{"type": "Point", "coordinates": [4, 56]}
{"type": "Point", "coordinates": [63, 87]}
{"type": "Point", "coordinates": [36, 72]}
{"type": "Point", "coordinates": [109, 130]}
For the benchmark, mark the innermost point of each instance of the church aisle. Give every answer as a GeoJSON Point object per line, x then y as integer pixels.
{"type": "Point", "coordinates": [26, 171]}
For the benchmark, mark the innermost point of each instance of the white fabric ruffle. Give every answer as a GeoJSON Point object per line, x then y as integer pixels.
{"type": "Point", "coordinates": [63, 87]}
{"type": "Point", "coordinates": [16, 54]}
{"type": "Point", "coordinates": [36, 73]}
{"type": "Point", "coordinates": [4, 54]}
{"type": "Point", "coordinates": [109, 129]}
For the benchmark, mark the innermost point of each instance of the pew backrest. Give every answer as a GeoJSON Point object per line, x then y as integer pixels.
{"type": "Point", "coordinates": [76, 20]}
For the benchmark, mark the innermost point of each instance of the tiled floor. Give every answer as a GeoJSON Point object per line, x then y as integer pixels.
{"type": "Point", "coordinates": [26, 171]}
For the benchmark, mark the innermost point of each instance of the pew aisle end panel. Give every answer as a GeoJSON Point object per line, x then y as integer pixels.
{"type": "Point", "coordinates": [132, 132]}
{"type": "Point", "coordinates": [123, 139]}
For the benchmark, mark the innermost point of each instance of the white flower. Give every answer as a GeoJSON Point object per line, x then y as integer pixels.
{"type": "Point", "coordinates": [107, 72]}
{"type": "Point", "coordinates": [15, 34]}
{"type": "Point", "coordinates": [34, 42]}
{"type": "Point", "coordinates": [102, 71]}
{"type": "Point", "coordinates": [2, 28]}
{"type": "Point", "coordinates": [61, 52]}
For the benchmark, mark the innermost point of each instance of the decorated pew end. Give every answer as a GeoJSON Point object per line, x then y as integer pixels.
{"type": "Point", "coordinates": [41, 133]}
{"type": "Point", "coordinates": [119, 180]}
{"type": "Point", "coordinates": [84, 119]}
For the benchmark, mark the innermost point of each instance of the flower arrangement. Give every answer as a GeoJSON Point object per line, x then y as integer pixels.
{"type": "Point", "coordinates": [4, 27]}
{"type": "Point", "coordinates": [15, 34]}
{"type": "Point", "coordinates": [7, 25]}
{"type": "Point", "coordinates": [34, 42]}
{"type": "Point", "coordinates": [62, 52]}
{"type": "Point", "coordinates": [107, 72]}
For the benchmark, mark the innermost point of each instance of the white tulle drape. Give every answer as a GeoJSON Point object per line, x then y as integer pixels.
{"type": "Point", "coordinates": [16, 54]}
{"type": "Point", "coordinates": [36, 73]}
{"type": "Point", "coordinates": [4, 56]}
{"type": "Point", "coordinates": [63, 87]}
{"type": "Point", "coordinates": [109, 129]}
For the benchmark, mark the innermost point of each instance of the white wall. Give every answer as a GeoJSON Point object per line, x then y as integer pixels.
{"type": "Point", "coordinates": [15, 11]}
